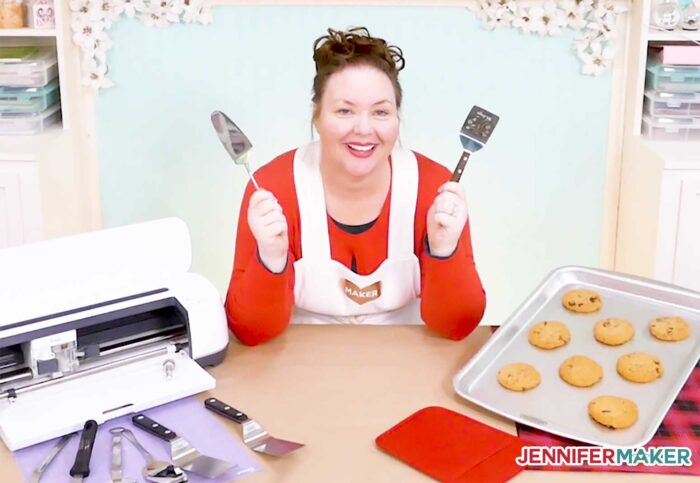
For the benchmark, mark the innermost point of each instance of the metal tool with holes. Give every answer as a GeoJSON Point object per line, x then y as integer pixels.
{"type": "Point", "coordinates": [116, 471]}
{"type": "Point", "coordinates": [155, 471]}
{"type": "Point", "coordinates": [254, 436]}
{"type": "Point", "coordinates": [60, 444]}
{"type": "Point", "coordinates": [182, 452]}
{"type": "Point", "coordinates": [476, 130]}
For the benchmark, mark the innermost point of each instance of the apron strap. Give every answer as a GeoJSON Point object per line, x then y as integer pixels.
{"type": "Point", "coordinates": [404, 195]}
{"type": "Point", "coordinates": [315, 242]}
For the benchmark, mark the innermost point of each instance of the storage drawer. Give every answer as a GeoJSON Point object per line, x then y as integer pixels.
{"type": "Point", "coordinates": [28, 99]}
{"type": "Point", "coordinates": [672, 103]}
{"type": "Point", "coordinates": [27, 66]}
{"type": "Point", "coordinates": [671, 129]}
{"type": "Point", "coordinates": [673, 78]}
{"type": "Point", "coordinates": [28, 123]}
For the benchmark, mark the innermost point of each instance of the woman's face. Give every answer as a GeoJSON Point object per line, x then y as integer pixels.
{"type": "Point", "coordinates": [357, 120]}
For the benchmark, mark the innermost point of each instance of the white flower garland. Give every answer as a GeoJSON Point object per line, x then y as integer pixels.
{"type": "Point", "coordinates": [594, 20]}
{"type": "Point", "coordinates": [90, 20]}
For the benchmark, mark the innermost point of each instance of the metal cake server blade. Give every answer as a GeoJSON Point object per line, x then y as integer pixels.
{"type": "Point", "coordinates": [182, 452]}
{"type": "Point", "coordinates": [236, 143]}
{"type": "Point", "coordinates": [254, 436]}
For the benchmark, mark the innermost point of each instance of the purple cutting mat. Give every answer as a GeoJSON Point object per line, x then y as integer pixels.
{"type": "Point", "coordinates": [187, 417]}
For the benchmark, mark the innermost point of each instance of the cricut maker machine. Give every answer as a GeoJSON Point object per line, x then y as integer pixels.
{"type": "Point", "coordinates": [98, 325]}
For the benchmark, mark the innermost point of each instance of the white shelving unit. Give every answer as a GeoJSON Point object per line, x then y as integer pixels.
{"type": "Point", "coordinates": [48, 180]}
{"type": "Point", "coordinates": [648, 34]}
{"type": "Point", "coordinates": [26, 148]}
{"type": "Point", "coordinates": [21, 213]}
{"type": "Point", "coordinates": [27, 32]}
{"type": "Point", "coordinates": [52, 37]}
{"type": "Point", "coordinates": [658, 233]}
{"type": "Point", "coordinates": [674, 36]}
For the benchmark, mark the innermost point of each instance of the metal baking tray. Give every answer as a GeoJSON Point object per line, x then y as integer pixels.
{"type": "Point", "coordinates": [560, 408]}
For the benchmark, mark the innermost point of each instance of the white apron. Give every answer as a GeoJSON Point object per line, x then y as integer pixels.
{"type": "Point", "coordinates": [327, 292]}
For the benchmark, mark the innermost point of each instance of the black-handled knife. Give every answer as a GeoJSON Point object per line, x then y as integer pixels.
{"type": "Point", "coordinates": [147, 424]}
{"type": "Point", "coordinates": [223, 409]}
{"type": "Point", "coordinates": [81, 466]}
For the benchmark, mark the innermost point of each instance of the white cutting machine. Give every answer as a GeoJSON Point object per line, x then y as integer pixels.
{"type": "Point", "coordinates": [99, 325]}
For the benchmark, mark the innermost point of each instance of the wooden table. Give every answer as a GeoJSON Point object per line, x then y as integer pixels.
{"type": "Point", "coordinates": [335, 388]}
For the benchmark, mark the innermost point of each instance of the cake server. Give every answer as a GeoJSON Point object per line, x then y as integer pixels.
{"type": "Point", "coordinates": [183, 453]}
{"type": "Point", "coordinates": [235, 142]}
{"type": "Point", "coordinates": [254, 436]}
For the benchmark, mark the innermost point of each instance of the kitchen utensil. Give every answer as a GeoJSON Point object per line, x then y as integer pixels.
{"type": "Point", "coordinates": [155, 471]}
{"type": "Point", "coordinates": [81, 466]}
{"type": "Point", "coordinates": [476, 130]}
{"type": "Point", "coordinates": [236, 143]}
{"type": "Point", "coordinates": [36, 476]}
{"type": "Point", "coordinates": [557, 407]}
{"type": "Point", "coordinates": [182, 452]}
{"type": "Point", "coordinates": [254, 436]}
{"type": "Point", "coordinates": [116, 470]}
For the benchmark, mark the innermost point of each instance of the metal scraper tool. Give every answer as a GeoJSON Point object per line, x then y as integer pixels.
{"type": "Point", "coordinates": [235, 142]}
{"type": "Point", "coordinates": [476, 130]}
{"type": "Point", "coordinates": [254, 436]}
{"type": "Point", "coordinates": [182, 452]}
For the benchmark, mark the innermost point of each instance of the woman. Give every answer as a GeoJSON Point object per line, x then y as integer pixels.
{"type": "Point", "coordinates": [354, 228]}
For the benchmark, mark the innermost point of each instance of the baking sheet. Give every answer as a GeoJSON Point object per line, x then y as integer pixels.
{"type": "Point", "coordinates": [187, 417]}
{"type": "Point", "coordinates": [560, 408]}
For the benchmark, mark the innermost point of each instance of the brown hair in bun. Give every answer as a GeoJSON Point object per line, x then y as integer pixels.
{"type": "Point", "coordinates": [337, 50]}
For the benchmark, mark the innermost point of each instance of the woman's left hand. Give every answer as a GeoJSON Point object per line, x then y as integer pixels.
{"type": "Point", "coordinates": [446, 219]}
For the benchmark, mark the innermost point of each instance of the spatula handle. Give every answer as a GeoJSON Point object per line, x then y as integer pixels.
{"type": "Point", "coordinates": [457, 173]}
{"type": "Point", "coordinates": [147, 424]}
{"type": "Point", "coordinates": [81, 466]}
{"type": "Point", "coordinates": [225, 410]}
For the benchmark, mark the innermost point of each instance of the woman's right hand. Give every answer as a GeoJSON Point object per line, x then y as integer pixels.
{"type": "Point", "coordinates": [269, 227]}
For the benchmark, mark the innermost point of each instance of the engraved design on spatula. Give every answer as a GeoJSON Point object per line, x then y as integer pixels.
{"type": "Point", "coordinates": [476, 130]}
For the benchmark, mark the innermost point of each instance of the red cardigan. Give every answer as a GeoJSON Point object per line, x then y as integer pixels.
{"type": "Point", "coordinates": [259, 303]}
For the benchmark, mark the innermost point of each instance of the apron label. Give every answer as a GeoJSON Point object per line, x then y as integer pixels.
{"type": "Point", "coordinates": [362, 295]}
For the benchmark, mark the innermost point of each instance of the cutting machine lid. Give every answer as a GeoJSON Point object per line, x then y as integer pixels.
{"type": "Point", "coordinates": [58, 275]}
{"type": "Point", "coordinates": [62, 408]}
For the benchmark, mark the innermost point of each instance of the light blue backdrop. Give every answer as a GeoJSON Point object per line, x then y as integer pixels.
{"type": "Point", "coordinates": [535, 192]}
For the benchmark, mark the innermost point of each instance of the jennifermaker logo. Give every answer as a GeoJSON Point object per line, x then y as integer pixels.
{"type": "Point", "coordinates": [596, 456]}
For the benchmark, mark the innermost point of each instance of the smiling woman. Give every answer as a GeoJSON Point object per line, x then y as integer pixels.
{"type": "Point", "coordinates": [353, 228]}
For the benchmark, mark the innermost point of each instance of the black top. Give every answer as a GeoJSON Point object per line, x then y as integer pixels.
{"type": "Point", "coordinates": [354, 230]}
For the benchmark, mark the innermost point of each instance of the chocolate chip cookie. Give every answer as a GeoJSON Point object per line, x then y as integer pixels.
{"type": "Point", "coordinates": [672, 329]}
{"type": "Point", "coordinates": [613, 331]}
{"type": "Point", "coordinates": [549, 334]}
{"type": "Point", "coordinates": [580, 371]}
{"type": "Point", "coordinates": [582, 301]}
{"type": "Point", "coordinates": [640, 367]}
{"type": "Point", "coordinates": [519, 377]}
{"type": "Point", "coordinates": [613, 412]}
